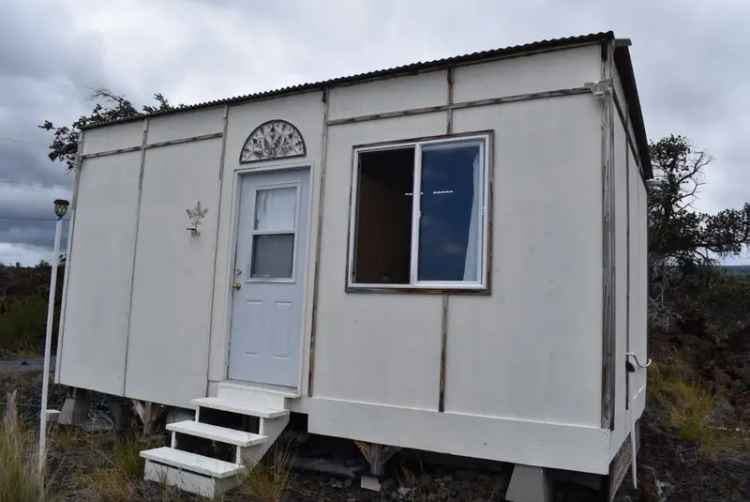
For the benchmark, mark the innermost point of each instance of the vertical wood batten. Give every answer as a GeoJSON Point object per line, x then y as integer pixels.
{"type": "Point", "coordinates": [318, 243]}
{"type": "Point", "coordinates": [612, 239]}
{"type": "Point", "coordinates": [144, 142]}
{"type": "Point", "coordinates": [627, 266]}
{"type": "Point", "coordinates": [69, 248]}
{"type": "Point", "coordinates": [222, 157]}
{"type": "Point", "coordinates": [446, 297]}
{"type": "Point", "coordinates": [608, 251]}
{"type": "Point", "coordinates": [449, 112]}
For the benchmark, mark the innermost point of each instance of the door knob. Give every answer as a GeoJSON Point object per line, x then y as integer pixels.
{"type": "Point", "coordinates": [237, 285]}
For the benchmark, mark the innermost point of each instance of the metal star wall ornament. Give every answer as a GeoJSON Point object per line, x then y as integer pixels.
{"type": "Point", "coordinates": [196, 216]}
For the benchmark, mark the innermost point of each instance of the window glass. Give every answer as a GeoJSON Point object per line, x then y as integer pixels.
{"type": "Point", "coordinates": [273, 256]}
{"type": "Point", "coordinates": [450, 224]}
{"type": "Point", "coordinates": [275, 208]}
{"type": "Point", "coordinates": [384, 215]}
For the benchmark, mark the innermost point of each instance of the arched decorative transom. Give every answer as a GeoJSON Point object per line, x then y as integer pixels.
{"type": "Point", "coordinates": [275, 139]}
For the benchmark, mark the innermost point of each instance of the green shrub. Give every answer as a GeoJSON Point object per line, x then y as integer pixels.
{"type": "Point", "coordinates": [685, 403]}
{"type": "Point", "coordinates": [691, 410]}
{"type": "Point", "coordinates": [22, 323]}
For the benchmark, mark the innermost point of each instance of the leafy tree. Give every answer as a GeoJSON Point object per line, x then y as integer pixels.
{"type": "Point", "coordinates": [109, 106]}
{"type": "Point", "coordinates": [682, 240]}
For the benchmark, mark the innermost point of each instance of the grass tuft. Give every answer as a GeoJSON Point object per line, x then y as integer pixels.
{"type": "Point", "coordinates": [119, 480]}
{"type": "Point", "coordinates": [111, 484]}
{"type": "Point", "coordinates": [268, 480]}
{"type": "Point", "coordinates": [20, 480]}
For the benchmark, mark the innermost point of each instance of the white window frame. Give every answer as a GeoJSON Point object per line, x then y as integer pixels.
{"type": "Point", "coordinates": [483, 248]}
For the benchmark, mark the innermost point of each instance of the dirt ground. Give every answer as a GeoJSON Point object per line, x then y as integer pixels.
{"type": "Point", "coordinates": [668, 469]}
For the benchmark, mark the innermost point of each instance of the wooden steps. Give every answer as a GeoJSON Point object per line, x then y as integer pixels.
{"type": "Point", "coordinates": [211, 477]}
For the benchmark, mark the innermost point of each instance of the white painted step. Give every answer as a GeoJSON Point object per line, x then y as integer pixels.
{"type": "Point", "coordinates": [216, 433]}
{"type": "Point", "coordinates": [254, 396]}
{"type": "Point", "coordinates": [192, 462]}
{"type": "Point", "coordinates": [239, 407]}
{"type": "Point", "coordinates": [189, 481]}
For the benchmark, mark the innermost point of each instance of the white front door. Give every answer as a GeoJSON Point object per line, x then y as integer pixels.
{"type": "Point", "coordinates": [269, 277]}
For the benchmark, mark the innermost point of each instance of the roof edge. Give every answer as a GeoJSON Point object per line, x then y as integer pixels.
{"type": "Point", "coordinates": [625, 68]}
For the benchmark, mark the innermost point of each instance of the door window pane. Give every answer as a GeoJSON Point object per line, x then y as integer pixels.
{"type": "Point", "coordinates": [450, 226]}
{"type": "Point", "coordinates": [275, 208]}
{"type": "Point", "coordinates": [273, 256]}
{"type": "Point", "coordinates": [384, 213]}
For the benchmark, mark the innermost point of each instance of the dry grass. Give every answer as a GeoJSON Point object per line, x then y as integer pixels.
{"type": "Point", "coordinates": [20, 480]}
{"type": "Point", "coordinates": [268, 480]}
{"type": "Point", "coordinates": [120, 477]}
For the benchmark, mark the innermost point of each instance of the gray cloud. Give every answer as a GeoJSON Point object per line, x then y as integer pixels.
{"type": "Point", "coordinates": [687, 56]}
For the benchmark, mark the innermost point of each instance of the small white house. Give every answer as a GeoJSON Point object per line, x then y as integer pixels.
{"type": "Point", "coordinates": [266, 254]}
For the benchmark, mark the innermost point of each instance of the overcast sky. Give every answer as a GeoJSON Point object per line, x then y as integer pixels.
{"type": "Point", "coordinates": [690, 63]}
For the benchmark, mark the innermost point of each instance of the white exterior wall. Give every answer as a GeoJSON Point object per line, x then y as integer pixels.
{"type": "Point", "coordinates": [172, 285]}
{"type": "Point", "coordinates": [522, 362]}
{"type": "Point", "coordinates": [539, 329]}
{"type": "Point", "coordinates": [563, 69]}
{"type": "Point", "coordinates": [375, 348]}
{"type": "Point", "coordinates": [621, 279]}
{"type": "Point", "coordinates": [638, 282]}
{"type": "Point", "coordinates": [98, 293]}
{"type": "Point", "coordinates": [192, 124]}
{"type": "Point", "coordinates": [113, 137]}
{"type": "Point", "coordinates": [155, 349]}
{"type": "Point", "coordinates": [631, 297]}
{"type": "Point", "coordinates": [391, 95]}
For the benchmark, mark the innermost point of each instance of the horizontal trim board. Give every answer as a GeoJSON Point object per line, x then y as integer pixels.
{"type": "Point", "coordinates": [202, 137]}
{"type": "Point", "coordinates": [574, 91]}
{"type": "Point", "coordinates": [148, 146]}
{"type": "Point", "coordinates": [110, 152]}
{"type": "Point", "coordinates": [545, 444]}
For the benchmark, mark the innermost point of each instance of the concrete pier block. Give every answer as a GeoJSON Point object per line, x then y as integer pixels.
{"type": "Point", "coordinates": [529, 484]}
{"type": "Point", "coordinates": [75, 410]}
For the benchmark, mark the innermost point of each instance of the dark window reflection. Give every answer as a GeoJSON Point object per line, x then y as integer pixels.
{"type": "Point", "coordinates": [450, 227]}
{"type": "Point", "coordinates": [384, 214]}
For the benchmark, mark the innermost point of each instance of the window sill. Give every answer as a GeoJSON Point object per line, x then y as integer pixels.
{"type": "Point", "coordinates": [472, 289]}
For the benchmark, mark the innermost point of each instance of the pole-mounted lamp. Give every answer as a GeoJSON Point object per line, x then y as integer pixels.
{"type": "Point", "coordinates": [61, 207]}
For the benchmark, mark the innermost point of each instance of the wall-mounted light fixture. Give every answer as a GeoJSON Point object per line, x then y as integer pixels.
{"type": "Point", "coordinates": [195, 216]}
